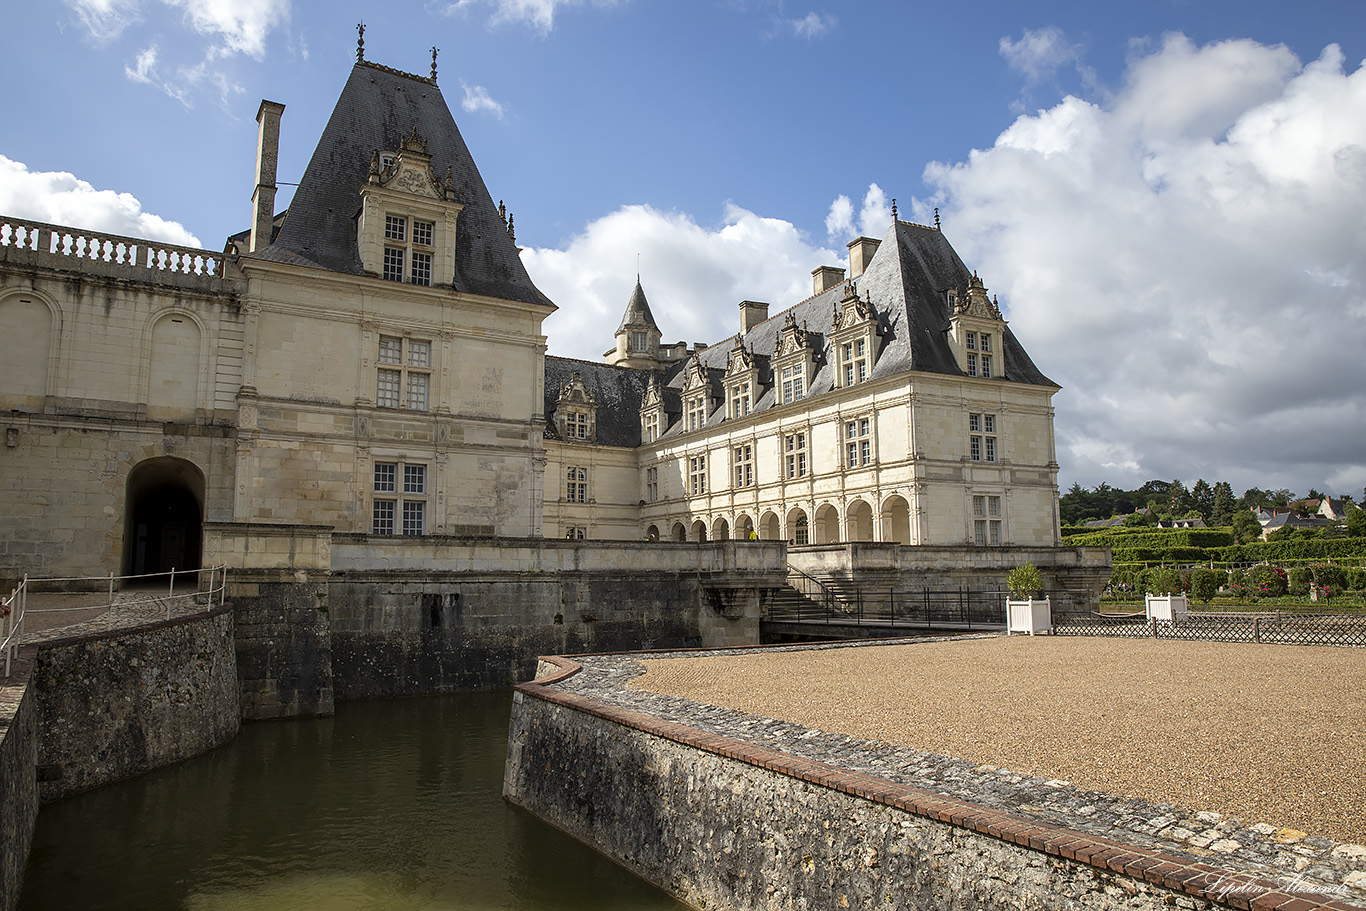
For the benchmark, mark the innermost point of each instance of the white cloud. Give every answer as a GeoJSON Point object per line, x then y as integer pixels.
{"type": "Point", "coordinates": [57, 197]}
{"type": "Point", "coordinates": [539, 14]}
{"type": "Point", "coordinates": [874, 216]}
{"type": "Point", "coordinates": [241, 25]}
{"type": "Point", "coordinates": [145, 67]}
{"type": "Point", "coordinates": [105, 19]}
{"type": "Point", "coordinates": [1038, 55]}
{"type": "Point", "coordinates": [693, 276]}
{"type": "Point", "coordinates": [477, 98]}
{"type": "Point", "coordinates": [812, 25]}
{"type": "Point", "coordinates": [1185, 259]}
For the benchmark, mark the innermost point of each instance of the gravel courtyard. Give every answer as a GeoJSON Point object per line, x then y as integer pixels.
{"type": "Point", "coordinates": [1264, 733]}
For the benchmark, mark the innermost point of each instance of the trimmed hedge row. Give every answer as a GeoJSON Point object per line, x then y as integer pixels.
{"type": "Point", "coordinates": [1148, 537]}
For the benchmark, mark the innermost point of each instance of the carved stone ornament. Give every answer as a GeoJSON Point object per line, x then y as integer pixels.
{"type": "Point", "coordinates": [575, 392]}
{"type": "Point", "coordinates": [975, 302]}
{"type": "Point", "coordinates": [654, 393]}
{"type": "Point", "coordinates": [741, 361]}
{"type": "Point", "coordinates": [695, 376]}
{"type": "Point", "coordinates": [792, 339]}
{"type": "Point", "coordinates": [853, 310]}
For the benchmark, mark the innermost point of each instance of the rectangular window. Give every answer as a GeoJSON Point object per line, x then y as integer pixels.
{"type": "Point", "coordinates": [577, 425]}
{"type": "Point", "coordinates": [395, 228]}
{"type": "Point", "coordinates": [652, 484]}
{"type": "Point", "coordinates": [393, 264]}
{"type": "Point", "coordinates": [697, 474]}
{"type": "Point", "coordinates": [986, 366]}
{"type": "Point", "coordinates": [854, 361]}
{"type": "Point", "coordinates": [422, 232]}
{"type": "Point", "coordinates": [576, 484]}
{"type": "Point", "coordinates": [986, 523]}
{"type": "Point", "coordinates": [422, 268]}
{"type": "Point", "coordinates": [651, 432]}
{"type": "Point", "coordinates": [408, 387]}
{"type": "Point", "coordinates": [794, 383]}
{"type": "Point", "coordinates": [971, 341]}
{"type": "Point", "coordinates": [794, 447]}
{"type": "Point", "coordinates": [640, 341]}
{"type": "Point", "coordinates": [972, 365]}
{"type": "Point", "coordinates": [982, 448]}
{"type": "Point", "coordinates": [744, 465]}
{"type": "Point", "coordinates": [739, 400]}
{"type": "Point", "coordinates": [412, 508]}
{"type": "Point", "coordinates": [697, 412]}
{"type": "Point", "coordinates": [986, 342]}
{"type": "Point", "coordinates": [858, 443]}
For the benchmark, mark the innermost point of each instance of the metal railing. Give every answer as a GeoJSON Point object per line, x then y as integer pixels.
{"type": "Point", "coordinates": [831, 603]}
{"type": "Point", "coordinates": [124, 592]}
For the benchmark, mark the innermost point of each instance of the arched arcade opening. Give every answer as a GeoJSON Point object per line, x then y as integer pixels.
{"type": "Point", "coordinates": [163, 517]}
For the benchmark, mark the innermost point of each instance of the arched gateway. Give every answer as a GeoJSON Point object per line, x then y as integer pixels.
{"type": "Point", "coordinates": [163, 517]}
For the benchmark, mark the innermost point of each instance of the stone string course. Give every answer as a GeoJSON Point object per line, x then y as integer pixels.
{"type": "Point", "coordinates": [1221, 860]}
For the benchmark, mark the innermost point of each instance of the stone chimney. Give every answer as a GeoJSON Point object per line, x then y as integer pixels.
{"type": "Point", "coordinates": [825, 277]}
{"type": "Point", "coordinates": [861, 250]}
{"type": "Point", "coordinates": [267, 158]}
{"type": "Point", "coordinates": [752, 313]}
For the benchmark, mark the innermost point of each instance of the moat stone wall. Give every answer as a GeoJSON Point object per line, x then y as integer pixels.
{"type": "Point", "coordinates": [18, 782]}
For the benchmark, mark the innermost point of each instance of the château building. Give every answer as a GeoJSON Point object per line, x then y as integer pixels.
{"type": "Point", "coordinates": [371, 360]}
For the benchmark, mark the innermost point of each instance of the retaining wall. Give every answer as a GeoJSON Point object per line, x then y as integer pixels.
{"type": "Point", "coordinates": [724, 824]}
{"type": "Point", "coordinates": [18, 782]}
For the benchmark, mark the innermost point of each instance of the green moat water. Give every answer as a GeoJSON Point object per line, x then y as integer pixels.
{"type": "Point", "coordinates": [388, 806]}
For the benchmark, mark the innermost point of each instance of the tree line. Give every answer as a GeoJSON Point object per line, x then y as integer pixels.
{"type": "Point", "coordinates": [1158, 500]}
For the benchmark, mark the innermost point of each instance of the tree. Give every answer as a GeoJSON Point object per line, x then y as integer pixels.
{"type": "Point", "coordinates": [1356, 523]}
{"type": "Point", "coordinates": [1222, 511]}
{"type": "Point", "coordinates": [1254, 496]}
{"type": "Point", "coordinates": [1178, 498]}
{"type": "Point", "coordinates": [1202, 499]}
{"type": "Point", "coordinates": [1246, 528]}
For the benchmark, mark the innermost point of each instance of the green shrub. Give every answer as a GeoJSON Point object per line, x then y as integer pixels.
{"type": "Point", "coordinates": [1300, 580]}
{"type": "Point", "coordinates": [1326, 575]}
{"type": "Point", "coordinates": [1205, 583]}
{"type": "Point", "coordinates": [1164, 581]}
{"type": "Point", "coordinates": [1025, 581]}
{"type": "Point", "coordinates": [1269, 581]}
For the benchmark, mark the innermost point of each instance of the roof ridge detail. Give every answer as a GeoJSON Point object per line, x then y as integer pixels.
{"type": "Point", "coordinates": [389, 69]}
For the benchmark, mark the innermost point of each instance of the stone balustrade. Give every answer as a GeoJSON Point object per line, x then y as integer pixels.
{"type": "Point", "coordinates": [61, 247]}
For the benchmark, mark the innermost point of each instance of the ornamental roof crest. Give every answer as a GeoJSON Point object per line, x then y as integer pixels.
{"type": "Point", "coordinates": [410, 170]}
{"type": "Point", "coordinates": [654, 393]}
{"type": "Point", "coordinates": [975, 302]}
{"type": "Point", "coordinates": [740, 359]}
{"type": "Point", "coordinates": [575, 392]}
{"type": "Point", "coordinates": [792, 338]}
{"type": "Point", "coordinates": [853, 310]}
{"type": "Point", "coordinates": [695, 375]}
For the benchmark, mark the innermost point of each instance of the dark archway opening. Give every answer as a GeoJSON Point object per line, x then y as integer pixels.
{"type": "Point", "coordinates": [164, 528]}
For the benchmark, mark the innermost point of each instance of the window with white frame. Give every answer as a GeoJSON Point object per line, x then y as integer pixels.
{"type": "Point", "coordinates": [739, 400]}
{"type": "Point", "coordinates": [854, 361]}
{"type": "Point", "coordinates": [651, 429]}
{"type": "Point", "coordinates": [985, 341]}
{"type": "Point", "coordinates": [640, 341]}
{"type": "Point", "coordinates": [576, 425]}
{"type": "Point", "coordinates": [576, 484]}
{"type": "Point", "coordinates": [697, 412]}
{"type": "Point", "coordinates": [414, 248]}
{"type": "Point", "coordinates": [982, 437]}
{"type": "Point", "coordinates": [794, 382]}
{"type": "Point", "coordinates": [979, 356]}
{"type": "Point", "coordinates": [697, 474]}
{"type": "Point", "coordinates": [858, 443]}
{"type": "Point", "coordinates": [794, 454]}
{"type": "Point", "coordinates": [400, 502]}
{"type": "Point", "coordinates": [743, 459]}
{"type": "Point", "coordinates": [986, 520]}
{"type": "Point", "coordinates": [405, 373]}
{"type": "Point", "coordinates": [652, 484]}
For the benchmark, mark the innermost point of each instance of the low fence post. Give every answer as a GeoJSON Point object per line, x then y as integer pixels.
{"type": "Point", "coordinates": [1257, 628]}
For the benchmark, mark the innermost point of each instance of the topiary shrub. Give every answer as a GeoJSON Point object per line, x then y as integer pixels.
{"type": "Point", "coordinates": [1205, 583]}
{"type": "Point", "coordinates": [1025, 581]}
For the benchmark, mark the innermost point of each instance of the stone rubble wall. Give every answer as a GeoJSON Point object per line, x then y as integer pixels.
{"type": "Point", "coordinates": [18, 781]}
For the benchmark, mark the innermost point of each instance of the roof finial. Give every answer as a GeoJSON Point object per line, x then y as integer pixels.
{"type": "Point", "coordinates": [434, 50]}
{"type": "Point", "coordinates": [893, 208]}
{"type": "Point", "coordinates": [936, 218]}
{"type": "Point", "coordinates": [360, 42]}
{"type": "Point", "coordinates": [512, 230]}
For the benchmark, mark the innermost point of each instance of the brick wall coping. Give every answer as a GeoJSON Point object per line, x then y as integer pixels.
{"type": "Point", "coordinates": [1223, 885]}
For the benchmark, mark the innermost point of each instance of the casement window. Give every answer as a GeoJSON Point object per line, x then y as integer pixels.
{"type": "Point", "coordinates": [742, 458]}
{"type": "Point", "coordinates": [801, 532]}
{"type": "Point", "coordinates": [794, 382]}
{"type": "Point", "coordinates": [858, 443]}
{"type": "Point", "coordinates": [405, 373]}
{"type": "Point", "coordinates": [576, 425]}
{"type": "Point", "coordinates": [651, 430]}
{"type": "Point", "coordinates": [697, 412]}
{"type": "Point", "coordinates": [411, 247]}
{"type": "Point", "coordinates": [978, 354]}
{"type": "Point", "coordinates": [576, 484]}
{"type": "Point", "coordinates": [640, 341]}
{"type": "Point", "coordinates": [652, 485]}
{"type": "Point", "coordinates": [697, 474]}
{"type": "Point", "coordinates": [986, 521]}
{"type": "Point", "coordinates": [794, 455]}
{"type": "Point", "coordinates": [982, 437]}
{"type": "Point", "coordinates": [739, 400]}
{"type": "Point", "coordinates": [400, 502]}
{"type": "Point", "coordinates": [576, 533]}
{"type": "Point", "coordinates": [854, 361]}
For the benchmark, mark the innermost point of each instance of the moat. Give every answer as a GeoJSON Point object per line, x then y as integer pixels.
{"type": "Point", "coordinates": [393, 805]}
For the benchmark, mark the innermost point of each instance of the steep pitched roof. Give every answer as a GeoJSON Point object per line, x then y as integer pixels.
{"type": "Point", "coordinates": [377, 106]}
{"type": "Point", "coordinates": [637, 310]}
{"type": "Point", "coordinates": [908, 279]}
{"type": "Point", "coordinates": [618, 392]}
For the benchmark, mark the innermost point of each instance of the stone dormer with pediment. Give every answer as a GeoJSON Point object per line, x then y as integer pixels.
{"type": "Point", "coordinates": [794, 362]}
{"type": "Point", "coordinates": [576, 412]}
{"type": "Point", "coordinates": [406, 230]}
{"type": "Point", "coordinates": [698, 401]}
{"type": "Point", "coordinates": [653, 420]}
{"type": "Point", "coordinates": [976, 331]}
{"type": "Point", "coordinates": [853, 337]}
{"type": "Point", "coordinates": [743, 383]}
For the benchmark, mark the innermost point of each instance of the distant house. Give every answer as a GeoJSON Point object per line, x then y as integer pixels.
{"type": "Point", "coordinates": [1265, 514]}
{"type": "Point", "coordinates": [1112, 522]}
{"type": "Point", "coordinates": [1282, 519]}
{"type": "Point", "coordinates": [1334, 508]}
{"type": "Point", "coordinates": [1196, 522]}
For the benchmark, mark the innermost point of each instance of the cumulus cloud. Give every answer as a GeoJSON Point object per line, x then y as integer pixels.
{"type": "Point", "coordinates": [1185, 259]}
{"type": "Point", "coordinates": [105, 19]}
{"type": "Point", "coordinates": [812, 25]}
{"type": "Point", "coordinates": [477, 98]}
{"type": "Point", "coordinates": [60, 198]}
{"type": "Point", "coordinates": [694, 276]}
{"type": "Point", "coordinates": [874, 215]}
{"type": "Point", "coordinates": [1039, 55]}
{"type": "Point", "coordinates": [538, 14]}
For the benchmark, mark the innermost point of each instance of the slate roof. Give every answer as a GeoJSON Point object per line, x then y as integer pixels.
{"type": "Point", "coordinates": [618, 392]}
{"type": "Point", "coordinates": [637, 310]}
{"type": "Point", "coordinates": [908, 278]}
{"type": "Point", "coordinates": [377, 107]}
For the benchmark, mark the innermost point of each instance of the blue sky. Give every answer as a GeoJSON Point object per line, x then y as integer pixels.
{"type": "Point", "coordinates": [1167, 196]}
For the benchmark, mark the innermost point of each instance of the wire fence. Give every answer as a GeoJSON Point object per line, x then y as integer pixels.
{"type": "Point", "coordinates": [1272, 628]}
{"type": "Point", "coordinates": [105, 602]}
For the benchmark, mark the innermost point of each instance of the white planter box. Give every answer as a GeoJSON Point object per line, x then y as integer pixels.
{"type": "Point", "coordinates": [1165, 607]}
{"type": "Point", "coordinates": [1028, 616]}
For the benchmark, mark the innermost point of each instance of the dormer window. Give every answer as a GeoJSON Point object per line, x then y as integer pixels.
{"type": "Point", "coordinates": [854, 361]}
{"type": "Point", "coordinates": [793, 362]}
{"type": "Point", "coordinates": [576, 411]}
{"type": "Point", "coordinates": [975, 327]}
{"type": "Point", "coordinates": [742, 380]}
{"type": "Point", "coordinates": [697, 412]}
{"type": "Point", "coordinates": [855, 322]}
{"type": "Point", "coordinates": [794, 382]}
{"type": "Point", "coordinates": [406, 229]}
{"type": "Point", "coordinates": [739, 400]}
{"type": "Point", "coordinates": [640, 341]}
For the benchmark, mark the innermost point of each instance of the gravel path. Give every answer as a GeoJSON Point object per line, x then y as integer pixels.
{"type": "Point", "coordinates": [1264, 733]}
